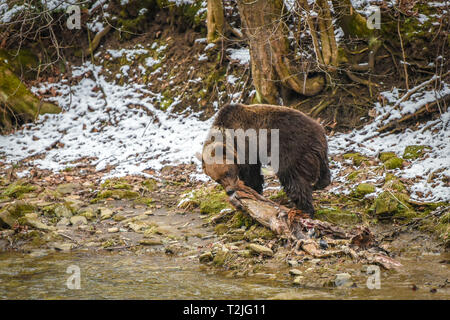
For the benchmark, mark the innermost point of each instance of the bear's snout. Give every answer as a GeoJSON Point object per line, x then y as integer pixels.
{"type": "Point", "coordinates": [230, 191]}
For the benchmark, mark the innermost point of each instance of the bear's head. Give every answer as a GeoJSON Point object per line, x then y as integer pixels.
{"type": "Point", "coordinates": [227, 174]}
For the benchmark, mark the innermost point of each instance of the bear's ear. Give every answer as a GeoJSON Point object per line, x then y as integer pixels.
{"type": "Point", "coordinates": [198, 155]}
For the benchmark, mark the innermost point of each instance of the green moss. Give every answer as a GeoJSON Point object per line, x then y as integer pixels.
{"type": "Point", "coordinates": [393, 183]}
{"type": "Point", "coordinates": [362, 189]}
{"type": "Point", "coordinates": [117, 194]}
{"type": "Point", "coordinates": [118, 218]}
{"type": "Point", "coordinates": [357, 158]}
{"type": "Point", "coordinates": [279, 196]}
{"type": "Point", "coordinates": [352, 176]}
{"type": "Point", "coordinates": [210, 201]}
{"type": "Point", "coordinates": [146, 201]}
{"type": "Point", "coordinates": [384, 156]}
{"type": "Point", "coordinates": [394, 163]}
{"type": "Point", "coordinates": [358, 27]}
{"type": "Point", "coordinates": [18, 188]}
{"type": "Point", "coordinates": [240, 219]}
{"type": "Point", "coordinates": [258, 232]}
{"type": "Point", "coordinates": [149, 184]}
{"type": "Point", "coordinates": [414, 152]}
{"type": "Point", "coordinates": [214, 204]}
{"type": "Point", "coordinates": [14, 93]}
{"type": "Point", "coordinates": [13, 212]}
{"type": "Point", "coordinates": [118, 183]}
{"type": "Point", "coordinates": [221, 258]}
{"type": "Point", "coordinates": [221, 228]}
{"type": "Point", "coordinates": [22, 62]}
{"type": "Point", "coordinates": [335, 215]}
{"type": "Point", "coordinates": [393, 203]}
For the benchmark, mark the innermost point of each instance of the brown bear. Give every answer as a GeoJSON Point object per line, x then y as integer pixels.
{"type": "Point", "coordinates": [302, 151]}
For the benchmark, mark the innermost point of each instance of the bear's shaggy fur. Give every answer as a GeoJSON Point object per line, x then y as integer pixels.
{"type": "Point", "coordinates": [303, 161]}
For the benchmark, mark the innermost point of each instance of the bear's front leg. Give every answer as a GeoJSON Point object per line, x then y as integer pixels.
{"type": "Point", "coordinates": [250, 174]}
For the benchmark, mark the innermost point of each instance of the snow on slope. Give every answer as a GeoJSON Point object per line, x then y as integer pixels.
{"type": "Point", "coordinates": [434, 134]}
{"type": "Point", "coordinates": [105, 127]}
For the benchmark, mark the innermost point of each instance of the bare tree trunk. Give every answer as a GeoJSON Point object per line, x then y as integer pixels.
{"type": "Point", "coordinates": [269, 51]}
{"type": "Point", "coordinates": [326, 50]}
{"type": "Point", "coordinates": [215, 20]}
{"type": "Point", "coordinates": [352, 23]}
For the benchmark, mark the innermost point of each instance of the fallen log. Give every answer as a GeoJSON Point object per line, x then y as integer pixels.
{"type": "Point", "coordinates": [313, 237]}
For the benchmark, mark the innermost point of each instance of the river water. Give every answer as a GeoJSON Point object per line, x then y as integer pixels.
{"type": "Point", "coordinates": [130, 276]}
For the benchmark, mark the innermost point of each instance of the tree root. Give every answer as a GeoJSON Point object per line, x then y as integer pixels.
{"type": "Point", "coordinates": [96, 41]}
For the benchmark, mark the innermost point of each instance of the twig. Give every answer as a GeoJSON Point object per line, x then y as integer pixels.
{"type": "Point", "coordinates": [403, 54]}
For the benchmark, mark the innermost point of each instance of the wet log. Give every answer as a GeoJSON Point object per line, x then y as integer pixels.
{"type": "Point", "coordinates": [317, 238]}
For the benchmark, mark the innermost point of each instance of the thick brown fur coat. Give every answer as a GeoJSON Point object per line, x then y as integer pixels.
{"type": "Point", "coordinates": [303, 159]}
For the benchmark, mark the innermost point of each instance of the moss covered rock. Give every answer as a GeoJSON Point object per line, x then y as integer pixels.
{"type": "Point", "coordinates": [10, 215]}
{"type": "Point", "coordinates": [18, 188]}
{"type": "Point", "coordinates": [363, 188]}
{"type": "Point", "coordinates": [392, 203]}
{"type": "Point", "coordinates": [394, 163]}
{"type": "Point", "coordinates": [384, 156]}
{"type": "Point", "coordinates": [357, 158]}
{"type": "Point", "coordinates": [414, 152]}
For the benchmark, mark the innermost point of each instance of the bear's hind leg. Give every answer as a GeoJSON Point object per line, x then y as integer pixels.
{"type": "Point", "coordinates": [250, 174]}
{"type": "Point", "coordinates": [299, 191]}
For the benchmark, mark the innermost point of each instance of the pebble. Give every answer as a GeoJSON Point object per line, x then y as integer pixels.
{"type": "Point", "coordinates": [256, 248]}
{"type": "Point", "coordinates": [76, 220]}
{"type": "Point", "coordinates": [295, 272]}
{"type": "Point", "coordinates": [105, 213]}
{"type": "Point", "coordinates": [63, 246]}
{"type": "Point", "coordinates": [298, 280]}
{"type": "Point", "coordinates": [151, 242]}
{"type": "Point", "coordinates": [293, 263]}
{"type": "Point", "coordinates": [343, 280]}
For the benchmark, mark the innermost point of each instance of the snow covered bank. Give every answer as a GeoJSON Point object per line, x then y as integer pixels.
{"type": "Point", "coordinates": [430, 173]}
{"type": "Point", "coordinates": [115, 124]}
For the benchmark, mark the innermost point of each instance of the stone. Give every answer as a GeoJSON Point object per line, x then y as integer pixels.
{"type": "Point", "coordinates": [293, 263]}
{"type": "Point", "coordinates": [32, 220]}
{"type": "Point", "coordinates": [38, 253]}
{"type": "Point", "coordinates": [343, 280]}
{"type": "Point", "coordinates": [62, 211]}
{"type": "Point", "coordinates": [88, 213]}
{"type": "Point", "coordinates": [137, 226]}
{"type": "Point", "coordinates": [258, 249]}
{"type": "Point", "coordinates": [63, 246]}
{"type": "Point", "coordinates": [78, 220]}
{"type": "Point", "coordinates": [295, 272]}
{"type": "Point", "coordinates": [105, 213]}
{"type": "Point", "coordinates": [63, 222]}
{"type": "Point", "coordinates": [151, 242]}
{"type": "Point", "coordinates": [244, 253]}
{"type": "Point", "coordinates": [66, 188]}
{"type": "Point", "coordinates": [298, 280]}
